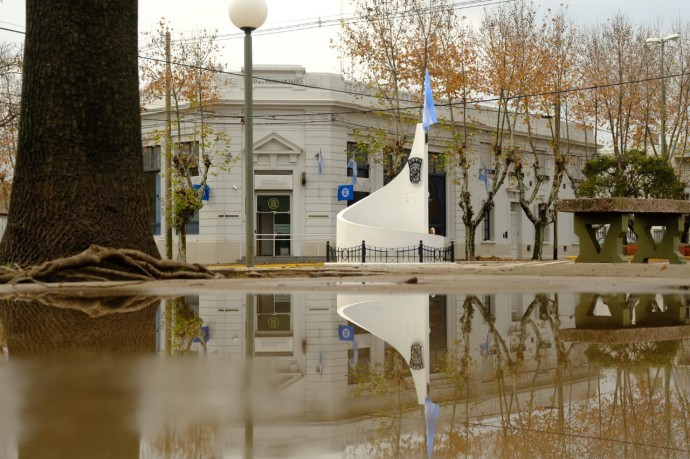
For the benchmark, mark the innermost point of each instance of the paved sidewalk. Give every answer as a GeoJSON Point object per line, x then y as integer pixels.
{"type": "Point", "coordinates": [547, 268]}
{"type": "Point", "coordinates": [479, 277]}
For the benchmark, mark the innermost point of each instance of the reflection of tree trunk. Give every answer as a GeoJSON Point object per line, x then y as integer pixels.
{"type": "Point", "coordinates": [78, 394]}
{"type": "Point", "coordinates": [34, 329]}
{"type": "Point", "coordinates": [501, 354]}
{"type": "Point", "coordinates": [667, 408]}
{"type": "Point", "coordinates": [464, 362]}
{"type": "Point", "coordinates": [183, 325]}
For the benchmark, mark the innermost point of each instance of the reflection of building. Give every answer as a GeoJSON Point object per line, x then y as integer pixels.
{"type": "Point", "coordinates": [305, 133]}
{"type": "Point", "coordinates": [298, 334]}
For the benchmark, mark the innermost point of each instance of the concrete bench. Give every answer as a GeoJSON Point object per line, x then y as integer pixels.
{"type": "Point", "coordinates": [616, 212]}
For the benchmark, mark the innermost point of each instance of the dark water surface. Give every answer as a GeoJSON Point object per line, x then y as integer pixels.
{"type": "Point", "coordinates": [331, 375]}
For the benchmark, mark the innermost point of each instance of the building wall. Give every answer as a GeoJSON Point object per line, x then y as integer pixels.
{"type": "Point", "coordinates": [292, 124]}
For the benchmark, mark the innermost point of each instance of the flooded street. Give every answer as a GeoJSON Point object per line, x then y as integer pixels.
{"type": "Point", "coordinates": [493, 361]}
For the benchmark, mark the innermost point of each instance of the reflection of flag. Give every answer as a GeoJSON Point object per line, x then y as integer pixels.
{"type": "Point", "coordinates": [431, 416]}
{"type": "Point", "coordinates": [484, 177]}
{"type": "Point", "coordinates": [346, 333]}
{"type": "Point", "coordinates": [355, 354]}
{"type": "Point", "coordinates": [429, 114]}
{"type": "Point", "coordinates": [353, 165]}
{"type": "Point", "coordinates": [319, 162]}
{"type": "Point", "coordinates": [484, 347]}
{"type": "Point", "coordinates": [207, 335]}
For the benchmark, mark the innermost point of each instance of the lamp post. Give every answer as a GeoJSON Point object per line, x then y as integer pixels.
{"type": "Point", "coordinates": [248, 15]}
{"type": "Point", "coordinates": [661, 41]}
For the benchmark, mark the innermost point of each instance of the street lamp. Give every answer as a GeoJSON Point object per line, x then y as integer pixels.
{"type": "Point", "coordinates": [248, 15]}
{"type": "Point", "coordinates": [661, 41]}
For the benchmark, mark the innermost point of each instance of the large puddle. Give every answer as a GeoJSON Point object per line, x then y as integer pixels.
{"type": "Point", "coordinates": [348, 374]}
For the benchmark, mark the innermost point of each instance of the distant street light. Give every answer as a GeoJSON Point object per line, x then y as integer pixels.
{"type": "Point", "coordinates": [248, 15]}
{"type": "Point", "coordinates": [661, 41]}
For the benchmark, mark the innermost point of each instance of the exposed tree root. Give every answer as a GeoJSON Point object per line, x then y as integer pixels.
{"type": "Point", "coordinates": [105, 264]}
{"type": "Point", "coordinates": [93, 306]}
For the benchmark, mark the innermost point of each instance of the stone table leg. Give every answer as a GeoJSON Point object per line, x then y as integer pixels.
{"type": "Point", "coordinates": [611, 251]}
{"type": "Point", "coordinates": [668, 247]}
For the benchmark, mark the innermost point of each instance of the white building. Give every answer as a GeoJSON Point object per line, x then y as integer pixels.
{"type": "Point", "coordinates": [301, 117]}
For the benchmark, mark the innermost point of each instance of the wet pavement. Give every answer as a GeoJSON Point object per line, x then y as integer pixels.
{"type": "Point", "coordinates": [482, 359]}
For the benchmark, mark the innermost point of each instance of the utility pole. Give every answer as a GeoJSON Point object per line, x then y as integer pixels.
{"type": "Point", "coordinates": [662, 89]}
{"type": "Point", "coordinates": [168, 151]}
{"type": "Point", "coordinates": [557, 160]}
{"type": "Point", "coordinates": [663, 100]}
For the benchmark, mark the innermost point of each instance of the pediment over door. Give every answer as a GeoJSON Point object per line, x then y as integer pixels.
{"type": "Point", "coordinates": [275, 151]}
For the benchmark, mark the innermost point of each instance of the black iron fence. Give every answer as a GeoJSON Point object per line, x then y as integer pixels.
{"type": "Point", "coordinates": [369, 254]}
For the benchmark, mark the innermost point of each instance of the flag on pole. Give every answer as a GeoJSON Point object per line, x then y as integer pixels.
{"type": "Point", "coordinates": [319, 161]}
{"type": "Point", "coordinates": [352, 164]}
{"type": "Point", "coordinates": [484, 177]}
{"type": "Point", "coordinates": [429, 115]}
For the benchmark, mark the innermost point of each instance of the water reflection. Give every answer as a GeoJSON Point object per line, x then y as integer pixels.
{"type": "Point", "coordinates": [70, 389]}
{"type": "Point", "coordinates": [526, 375]}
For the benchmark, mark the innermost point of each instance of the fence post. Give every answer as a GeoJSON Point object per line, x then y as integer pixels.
{"type": "Point", "coordinates": [421, 252]}
{"type": "Point", "coordinates": [364, 252]}
{"type": "Point", "coordinates": [328, 251]}
{"type": "Point", "coordinates": [452, 251]}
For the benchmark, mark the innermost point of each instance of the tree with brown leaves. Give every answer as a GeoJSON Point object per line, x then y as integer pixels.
{"type": "Point", "coordinates": [196, 146]}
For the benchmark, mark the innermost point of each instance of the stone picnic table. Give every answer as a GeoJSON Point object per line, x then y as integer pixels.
{"type": "Point", "coordinates": [590, 213]}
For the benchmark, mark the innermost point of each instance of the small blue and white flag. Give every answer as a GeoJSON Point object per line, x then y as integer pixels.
{"type": "Point", "coordinates": [429, 114]}
{"type": "Point", "coordinates": [352, 164]}
{"type": "Point", "coordinates": [355, 355]}
{"type": "Point", "coordinates": [319, 162]}
{"type": "Point", "coordinates": [484, 177]}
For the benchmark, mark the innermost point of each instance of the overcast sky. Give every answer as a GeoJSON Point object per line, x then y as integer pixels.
{"type": "Point", "coordinates": [310, 47]}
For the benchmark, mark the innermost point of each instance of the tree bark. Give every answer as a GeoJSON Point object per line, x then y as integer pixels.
{"type": "Point", "coordinates": [182, 243]}
{"type": "Point", "coordinates": [470, 234]}
{"type": "Point", "coordinates": [79, 176]}
{"type": "Point", "coordinates": [539, 228]}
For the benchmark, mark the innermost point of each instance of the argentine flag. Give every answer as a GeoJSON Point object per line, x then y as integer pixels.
{"type": "Point", "coordinates": [429, 115]}
{"type": "Point", "coordinates": [352, 164]}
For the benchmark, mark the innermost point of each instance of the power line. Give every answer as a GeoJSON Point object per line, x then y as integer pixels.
{"type": "Point", "coordinates": [329, 21]}
{"type": "Point", "coordinates": [353, 19]}
{"type": "Point", "coordinates": [418, 107]}
{"type": "Point", "coordinates": [462, 5]}
{"type": "Point", "coordinates": [12, 30]}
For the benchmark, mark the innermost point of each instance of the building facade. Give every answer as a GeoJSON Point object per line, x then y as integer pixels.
{"type": "Point", "coordinates": [306, 128]}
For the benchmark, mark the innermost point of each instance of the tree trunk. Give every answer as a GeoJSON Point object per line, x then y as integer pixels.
{"type": "Point", "coordinates": [182, 243]}
{"type": "Point", "coordinates": [539, 227]}
{"type": "Point", "coordinates": [470, 233]}
{"type": "Point", "coordinates": [79, 176]}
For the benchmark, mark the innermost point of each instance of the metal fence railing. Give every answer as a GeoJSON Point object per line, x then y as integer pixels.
{"type": "Point", "coordinates": [364, 253]}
